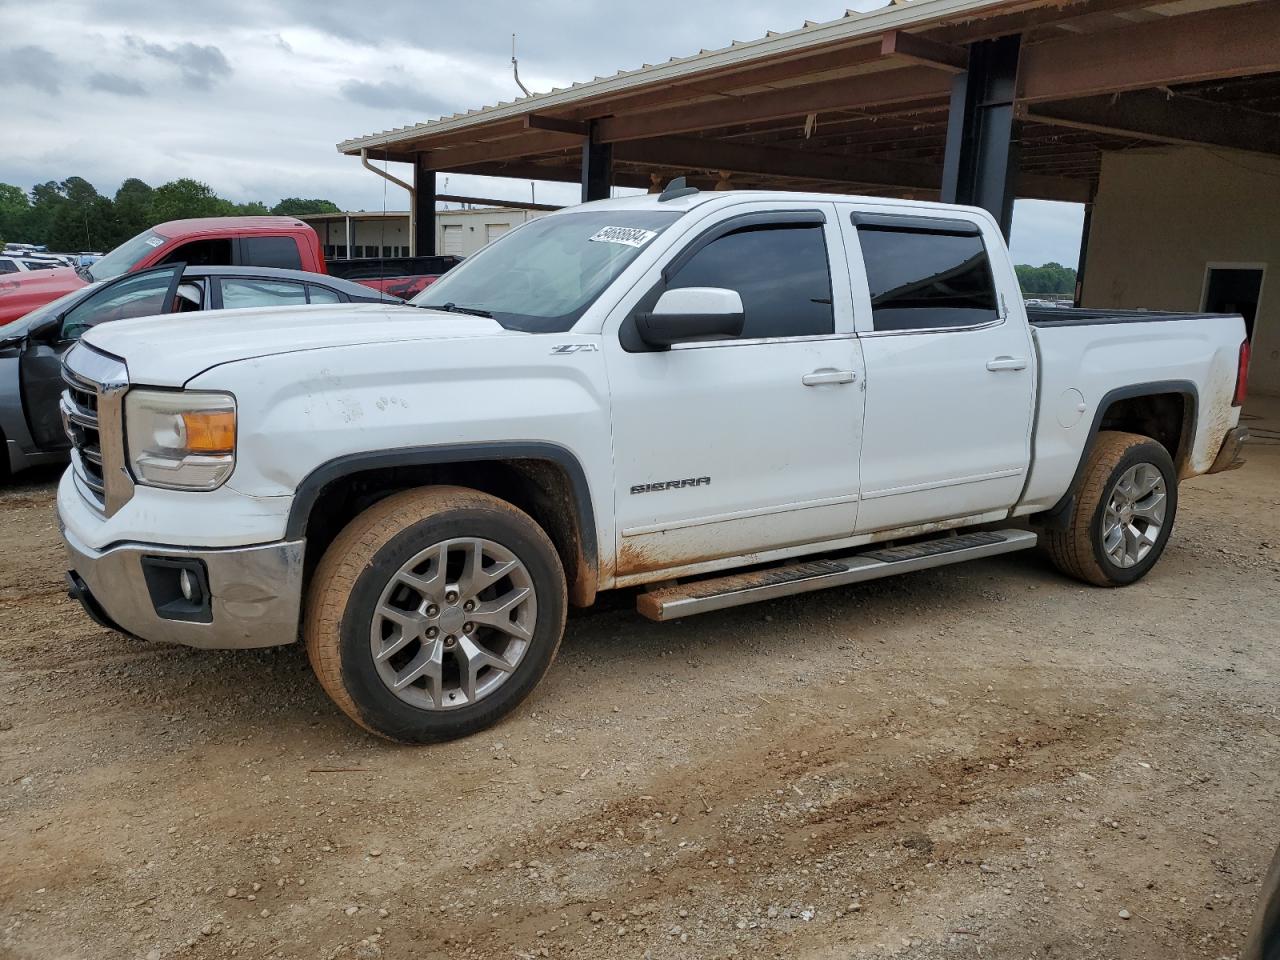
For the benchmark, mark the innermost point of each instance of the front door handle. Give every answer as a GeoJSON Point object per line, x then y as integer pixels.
{"type": "Point", "coordinates": [1007, 363]}
{"type": "Point", "coordinates": [819, 377]}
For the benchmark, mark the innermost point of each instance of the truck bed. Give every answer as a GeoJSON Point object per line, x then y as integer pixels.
{"type": "Point", "coordinates": [1080, 316]}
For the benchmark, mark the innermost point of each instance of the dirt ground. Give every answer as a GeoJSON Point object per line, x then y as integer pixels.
{"type": "Point", "coordinates": [982, 761]}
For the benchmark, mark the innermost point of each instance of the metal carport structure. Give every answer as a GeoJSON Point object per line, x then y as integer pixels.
{"type": "Point", "coordinates": [973, 101]}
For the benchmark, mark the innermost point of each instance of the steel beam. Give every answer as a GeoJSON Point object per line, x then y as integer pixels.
{"type": "Point", "coordinates": [531, 144]}
{"type": "Point", "coordinates": [981, 161]}
{"type": "Point", "coordinates": [597, 167]}
{"type": "Point", "coordinates": [536, 121]}
{"type": "Point", "coordinates": [423, 213]}
{"type": "Point", "coordinates": [848, 93]}
{"type": "Point", "coordinates": [1224, 42]}
{"type": "Point", "coordinates": [1152, 115]}
{"type": "Point", "coordinates": [928, 53]}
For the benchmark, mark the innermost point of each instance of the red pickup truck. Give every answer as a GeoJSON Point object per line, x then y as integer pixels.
{"type": "Point", "coordinates": [219, 241]}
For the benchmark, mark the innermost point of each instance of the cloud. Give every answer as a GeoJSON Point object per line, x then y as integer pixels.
{"type": "Point", "coordinates": [201, 66]}
{"type": "Point", "coordinates": [115, 83]}
{"type": "Point", "coordinates": [35, 67]}
{"type": "Point", "coordinates": [394, 95]}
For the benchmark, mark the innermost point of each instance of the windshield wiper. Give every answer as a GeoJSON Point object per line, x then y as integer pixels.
{"type": "Point", "coordinates": [452, 307]}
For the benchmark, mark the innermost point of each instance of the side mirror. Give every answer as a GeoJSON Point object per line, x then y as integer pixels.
{"type": "Point", "coordinates": [47, 331]}
{"type": "Point", "coordinates": [692, 313]}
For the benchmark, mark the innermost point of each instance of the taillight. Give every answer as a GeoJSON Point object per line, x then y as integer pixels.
{"type": "Point", "coordinates": [1242, 376]}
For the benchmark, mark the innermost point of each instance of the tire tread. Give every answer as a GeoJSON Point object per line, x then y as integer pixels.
{"type": "Point", "coordinates": [350, 554]}
{"type": "Point", "coordinates": [1071, 549]}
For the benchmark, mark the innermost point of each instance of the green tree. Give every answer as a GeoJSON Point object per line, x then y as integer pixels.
{"type": "Point", "coordinates": [83, 220]}
{"type": "Point", "coordinates": [296, 207]}
{"type": "Point", "coordinates": [132, 207]}
{"type": "Point", "coordinates": [186, 198]}
{"type": "Point", "coordinates": [15, 208]}
{"type": "Point", "coordinates": [1050, 279]}
{"type": "Point", "coordinates": [254, 208]}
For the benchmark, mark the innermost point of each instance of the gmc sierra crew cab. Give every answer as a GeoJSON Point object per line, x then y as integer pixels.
{"type": "Point", "coordinates": [717, 398]}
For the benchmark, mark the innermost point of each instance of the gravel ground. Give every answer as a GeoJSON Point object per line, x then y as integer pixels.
{"type": "Point", "coordinates": [987, 760]}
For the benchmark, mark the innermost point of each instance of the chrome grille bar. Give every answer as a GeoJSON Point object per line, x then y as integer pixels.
{"type": "Point", "coordinates": [93, 415]}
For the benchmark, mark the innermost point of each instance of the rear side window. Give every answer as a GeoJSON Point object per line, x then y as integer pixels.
{"type": "Point", "coordinates": [8, 266]}
{"type": "Point", "coordinates": [780, 271]}
{"type": "Point", "coordinates": [318, 294]}
{"type": "Point", "coordinates": [270, 252]}
{"type": "Point", "coordinates": [239, 292]}
{"type": "Point", "coordinates": [202, 253]}
{"type": "Point", "coordinates": [922, 280]}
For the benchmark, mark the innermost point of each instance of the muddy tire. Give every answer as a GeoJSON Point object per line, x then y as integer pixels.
{"type": "Point", "coordinates": [1122, 515]}
{"type": "Point", "coordinates": [434, 613]}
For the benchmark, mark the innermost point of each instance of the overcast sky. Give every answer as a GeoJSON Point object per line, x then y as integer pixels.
{"type": "Point", "coordinates": [251, 96]}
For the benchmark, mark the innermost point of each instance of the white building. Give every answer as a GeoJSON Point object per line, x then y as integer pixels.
{"type": "Point", "coordinates": [354, 234]}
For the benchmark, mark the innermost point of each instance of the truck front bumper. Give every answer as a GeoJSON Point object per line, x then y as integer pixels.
{"type": "Point", "coordinates": [241, 597]}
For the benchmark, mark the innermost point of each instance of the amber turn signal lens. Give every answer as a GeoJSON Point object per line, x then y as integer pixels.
{"type": "Point", "coordinates": [210, 431]}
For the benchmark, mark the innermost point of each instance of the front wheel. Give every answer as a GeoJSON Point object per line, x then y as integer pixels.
{"type": "Point", "coordinates": [434, 613]}
{"type": "Point", "coordinates": [1123, 514]}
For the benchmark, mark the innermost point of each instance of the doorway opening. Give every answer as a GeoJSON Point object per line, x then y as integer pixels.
{"type": "Point", "coordinates": [1234, 288]}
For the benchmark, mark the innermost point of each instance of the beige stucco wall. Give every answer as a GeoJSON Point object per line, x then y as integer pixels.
{"type": "Point", "coordinates": [1163, 214]}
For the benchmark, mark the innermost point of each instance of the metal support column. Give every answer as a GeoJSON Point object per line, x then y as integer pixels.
{"type": "Point", "coordinates": [422, 215]}
{"type": "Point", "coordinates": [597, 168]}
{"type": "Point", "coordinates": [1078, 299]}
{"type": "Point", "coordinates": [981, 163]}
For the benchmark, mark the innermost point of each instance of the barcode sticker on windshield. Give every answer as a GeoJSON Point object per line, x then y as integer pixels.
{"type": "Point", "coordinates": [627, 236]}
{"type": "Point", "coordinates": [155, 241]}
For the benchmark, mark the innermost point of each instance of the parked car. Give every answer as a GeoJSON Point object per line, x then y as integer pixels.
{"type": "Point", "coordinates": [31, 348]}
{"type": "Point", "coordinates": [20, 263]}
{"type": "Point", "coordinates": [280, 242]}
{"type": "Point", "coordinates": [722, 397]}
{"type": "Point", "coordinates": [402, 277]}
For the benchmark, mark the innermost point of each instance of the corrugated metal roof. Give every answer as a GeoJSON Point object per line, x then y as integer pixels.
{"type": "Point", "coordinates": [897, 14]}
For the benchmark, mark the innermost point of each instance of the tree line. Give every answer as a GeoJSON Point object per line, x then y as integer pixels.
{"type": "Point", "coordinates": [1052, 278]}
{"type": "Point", "coordinates": [71, 215]}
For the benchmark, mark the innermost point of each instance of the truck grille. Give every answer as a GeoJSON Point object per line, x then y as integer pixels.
{"type": "Point", "coordinates": [93, 415]}
{"type": "Point", "coordinates": [80, 417]}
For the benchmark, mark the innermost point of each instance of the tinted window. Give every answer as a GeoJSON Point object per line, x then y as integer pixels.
{"type": "Point", "coordinates": [8, 266]}
{"type": "Point", "coordinates": [270, 252]}
{"type": "Point", "coordinates": [322, 294]}
{"type": "Point", "coordinates": [201, 253]}
{"type": "Point", "coordinates": [922, 280]}
{"type": "Point", "coordinates": [238, 293]}
{"type": "Point", "coordinates": [143, 295]}
{"type": "Point", "coordinates": [780, 271]}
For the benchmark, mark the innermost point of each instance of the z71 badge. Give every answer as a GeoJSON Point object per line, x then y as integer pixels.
{"type": "Point", "coordinates": [671, 485]}
{"type": "Point", "coordinates": [575, 348]}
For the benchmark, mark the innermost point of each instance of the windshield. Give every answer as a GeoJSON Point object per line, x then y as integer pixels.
{"type": "Point", "coordinates": [19, 327]}
{"type": "Point", "coordinates": [543, 276]}
{"type": "Point", "coordinates": [126, 256]}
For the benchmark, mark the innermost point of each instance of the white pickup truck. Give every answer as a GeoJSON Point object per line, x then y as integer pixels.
{"type": "Point", "coordinates": [716, 397]}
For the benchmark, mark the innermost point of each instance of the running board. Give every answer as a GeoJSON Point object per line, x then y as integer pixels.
{"type": "Point", "coordinates": [735, 590]}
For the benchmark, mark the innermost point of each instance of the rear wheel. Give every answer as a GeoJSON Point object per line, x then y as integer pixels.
{"type": "Point", "coordinates": [1123, 515]}
{"type": "Point", "coordinates": [434, 613]}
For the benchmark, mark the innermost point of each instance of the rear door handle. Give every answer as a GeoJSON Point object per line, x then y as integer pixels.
{"type": "Point", "coordinates": [1007, 363]}
{"type": "Point", "coordinates": [819, 377]}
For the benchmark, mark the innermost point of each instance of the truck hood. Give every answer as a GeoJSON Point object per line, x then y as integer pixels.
{"type": "Point", "coordinates": [168, 351]}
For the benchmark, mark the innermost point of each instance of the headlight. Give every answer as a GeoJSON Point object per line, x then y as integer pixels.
{"type": "Point", "coordinates": [181, 440]}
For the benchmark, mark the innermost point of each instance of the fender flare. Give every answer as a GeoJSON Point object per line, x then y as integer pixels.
{"type": "Point", "coordinates": [308, 491]}
{"type": "Point", "coordinates": [1057, 514]}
